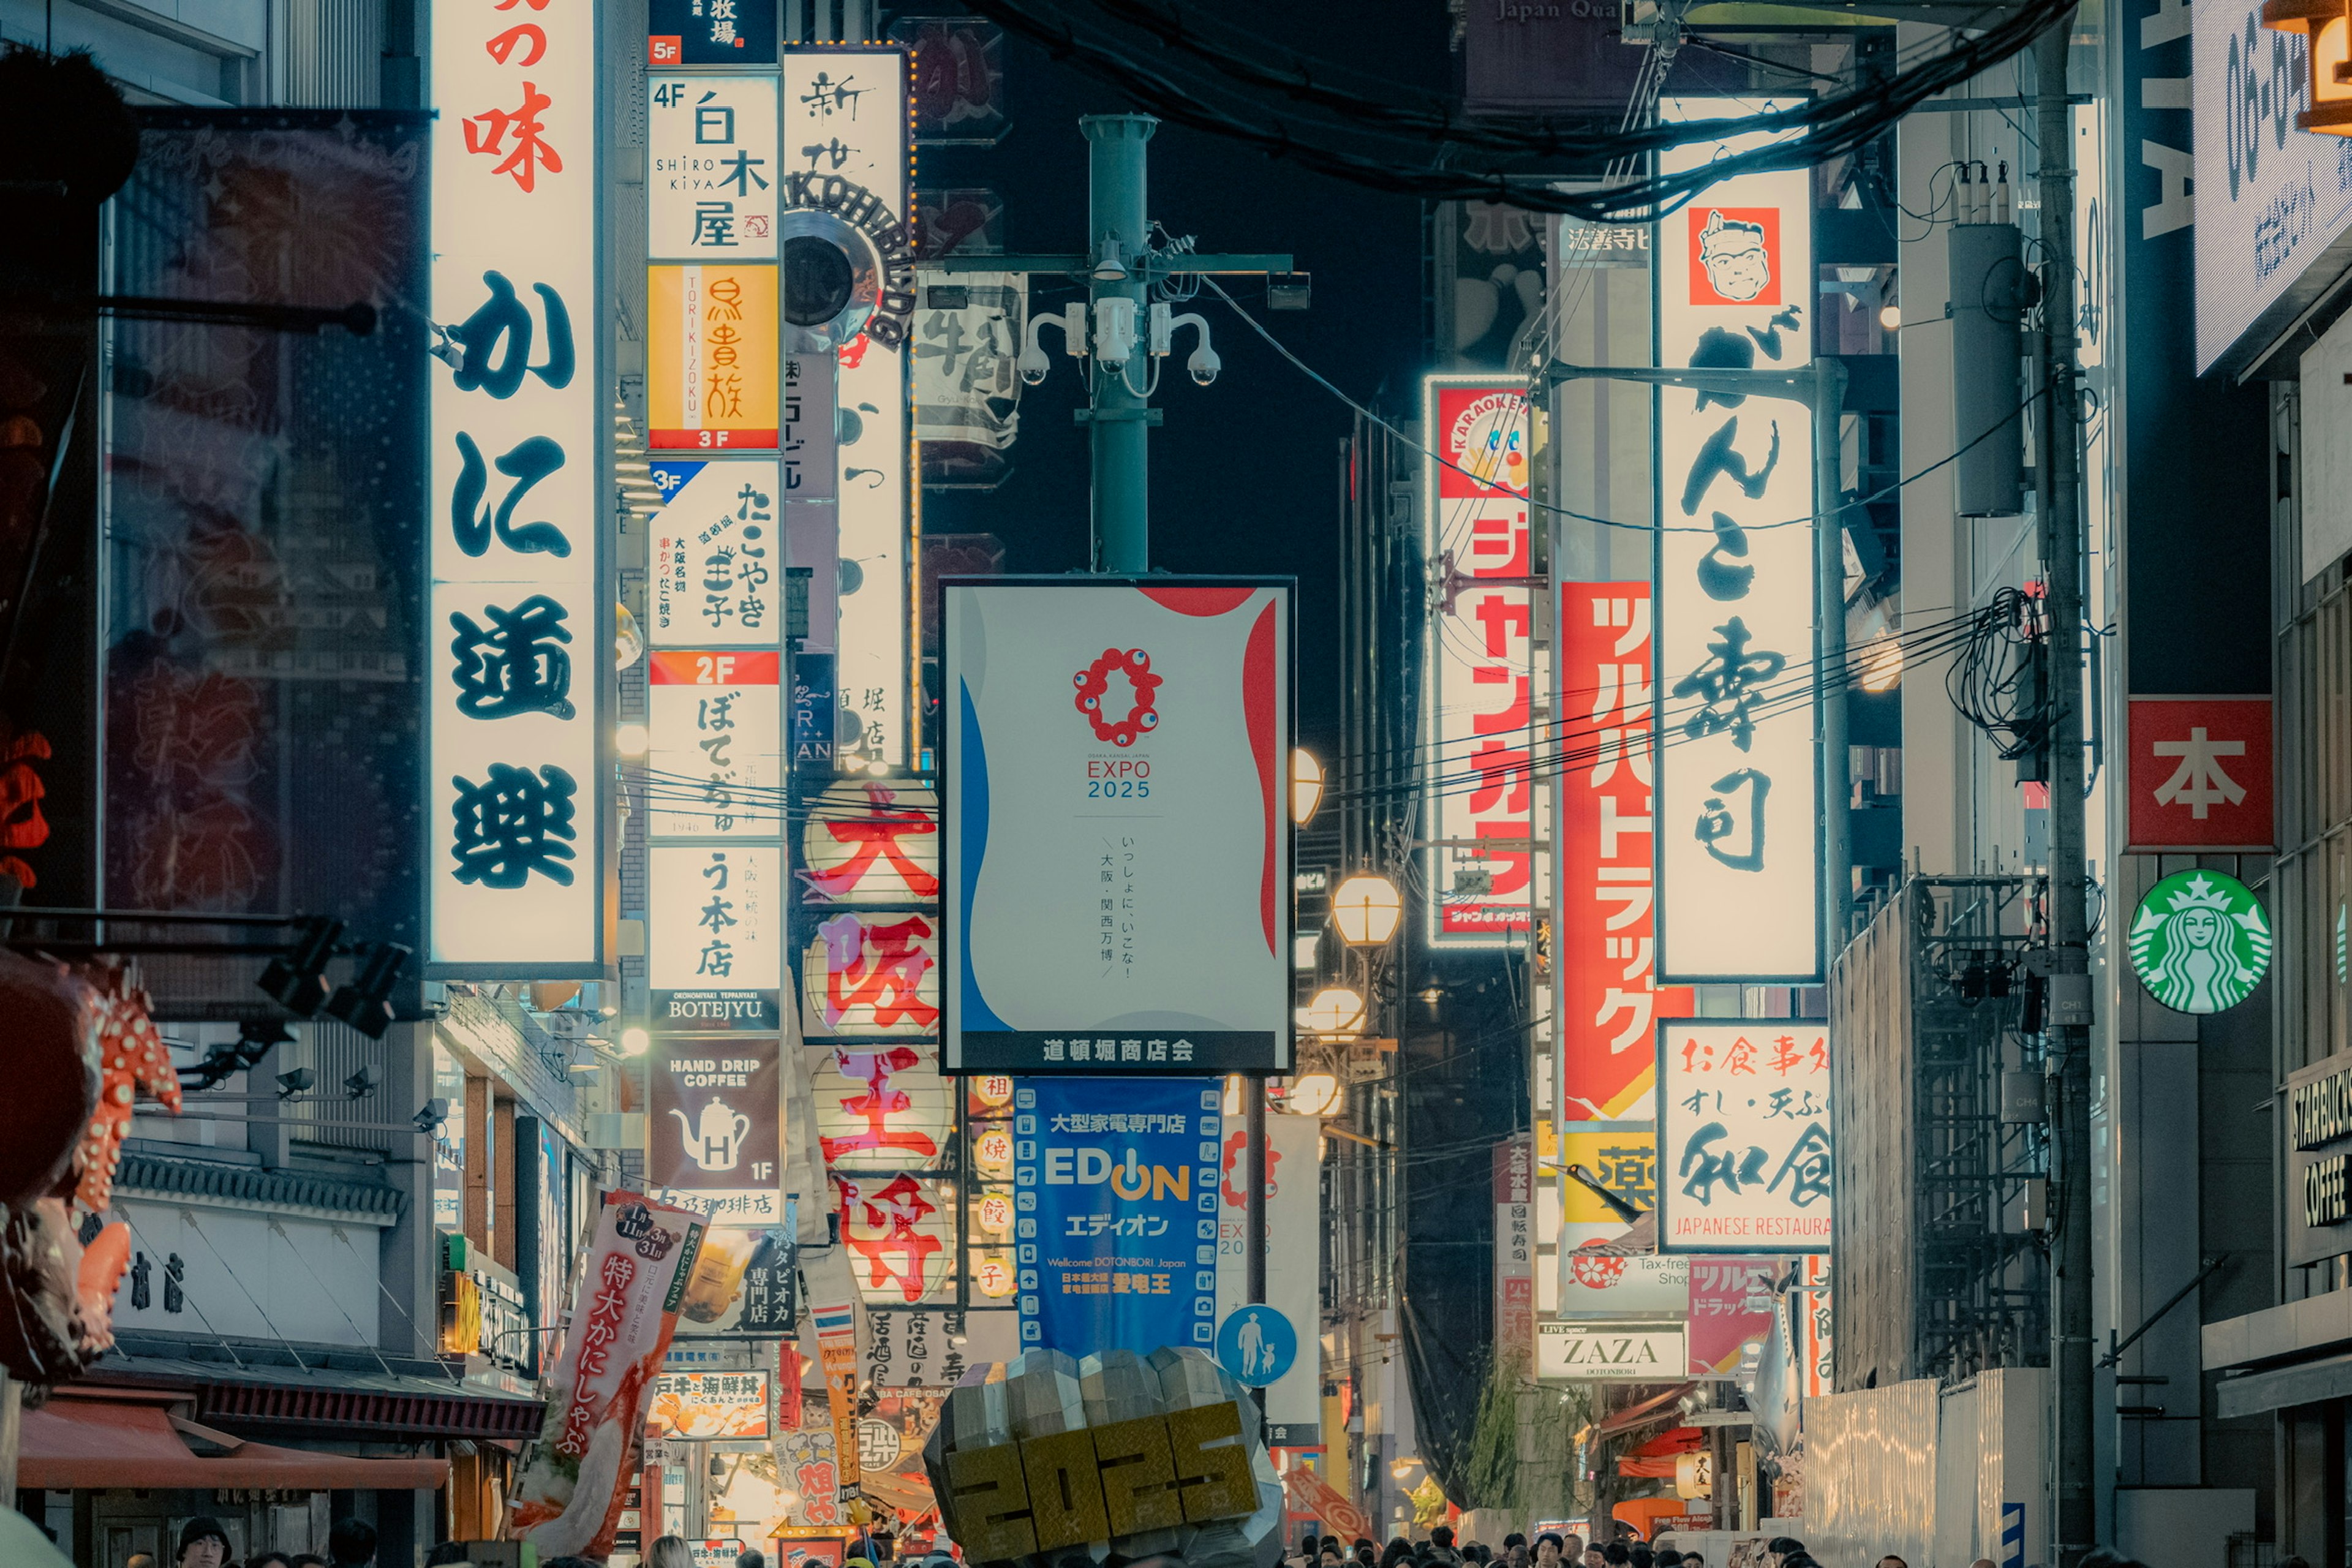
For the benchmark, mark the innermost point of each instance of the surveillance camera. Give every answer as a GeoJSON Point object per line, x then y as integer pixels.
{"type": "Point", "coordinates": [1204, 364]}
{"type": "Point", "coordinates": [432, 1116]}
{"type": "Point", "coordinates": [1032, 365]}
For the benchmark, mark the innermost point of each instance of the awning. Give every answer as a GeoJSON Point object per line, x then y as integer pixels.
{"type": "Point", "coordinates": [2278, 1388]}
{"type": "Point", "coordinates": [71, 1443]}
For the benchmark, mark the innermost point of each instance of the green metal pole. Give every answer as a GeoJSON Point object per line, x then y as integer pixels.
{"type": "Point", "coordinates": [1117, 415]}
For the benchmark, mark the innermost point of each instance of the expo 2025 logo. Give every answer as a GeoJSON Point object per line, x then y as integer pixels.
{"type": "Point", "coordinates": [1094, 684]}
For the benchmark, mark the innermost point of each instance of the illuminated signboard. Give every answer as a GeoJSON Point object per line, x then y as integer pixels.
{"type": "Point", "coordinates": [1486, 678]}
{"type": "Point", "coordinates": [1739, 845]}
{"type": "Point", "coordinates": [712, 372]}
{"type": "Point", "coordinates": [710, 194]}
{"type": "Point", "coordinates": [718, 577]}
{"type": "Point", "coordinates": [519, 627]}
{"type": "Point", "coordinates": [716, 722]}
{"type": "Point", "coordinates": [1743, 1136]}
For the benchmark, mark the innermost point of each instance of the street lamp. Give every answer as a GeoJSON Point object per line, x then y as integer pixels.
{"type": "Point", "coordinates": [1336, 1010]}
{"type": "Point", "coordinates": [1305, 786]}
{"type": "Point", "coordinates": [1316, 1094]}
{"type": "Point", "coordinates": [1367, 909]}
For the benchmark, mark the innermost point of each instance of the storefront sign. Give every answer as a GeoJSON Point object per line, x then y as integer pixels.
{"type": "Point", "coordinates": [1118, 817]}
{"type": "Point", "coordinates": [845, 146]}
{"type": "Point", "coordinates": [1603, 1284]}
{"type": "Point", "coordinates": [1730, 1311]}
{"type": "Point", "coordinates": [1603, 942]}
{"type": "Point", "coordinates": [872, 844]}
{"type": "Point", "coordinates": [715, 917]}
{"type": "Point", "coordinates": [710, 1404]}
{"type": "Point", "coordinates": [1515, 1242]}
{"type": "Point", "coordinates": [900, 1231]}
{"type": "Point", "coordinates": [1115, 1211]}
{"type": "Point", "coordinates": [568, 1499]}
{"type": "Point", "coordinates": [718, 569]}
{"type": "Point", "coordinates": [711, 365]}
{"type": "Point", "coordinates": [1486, 676]}
{"type": "Point", "coordinates": [712, 190]}
{"type": "Point", "coordinates": [2200, 773]}
{"type": "Point", "coordinates": [1744, 1136]}
{"type": "Point", "coordinates": [1642, 1353]}
{"type": "Point", "coordinates": [932, 1347]}
{"type": "Point", "coordinates": [709, 33]}
{"type": "Point", "coordinates": [746, 1283]}
{"type": "Point", "coordinates": [2200, 941]}
{"type": "Point", "coordinates": [716, 720]}
{"type": "Point", "coordinates": [882, 1107]}
{"type": "Point", "coordinates": [872, 975]}
{"type": "Point", "coordinates": [2318, 1166]}
{"type": "Point", "coordinates": [712, 1138]}
{"type": "Point", "coordinates": [518, 613]}
{"type": "Point", "coordinates": [1739, 845]}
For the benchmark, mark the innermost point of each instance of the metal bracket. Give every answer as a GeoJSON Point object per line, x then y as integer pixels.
{"type": "Point", "coordinates": [1115, 415]}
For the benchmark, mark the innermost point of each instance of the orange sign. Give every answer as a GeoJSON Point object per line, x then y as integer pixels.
{"type": "Point", "coordinates": [713, 351]}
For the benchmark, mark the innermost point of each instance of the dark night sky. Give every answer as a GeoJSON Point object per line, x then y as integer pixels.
{"type": "Point", "coordinates": [1244, 473]}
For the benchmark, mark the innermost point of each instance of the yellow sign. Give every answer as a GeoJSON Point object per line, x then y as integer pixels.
{"type": "Point", "coordinates": [1624, 1162]}
{"type": "Point", "coordinates": [713, 349]}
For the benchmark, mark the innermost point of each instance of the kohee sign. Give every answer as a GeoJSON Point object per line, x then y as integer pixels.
{"type": "Point", "coordinates": [1485, 678]}
{"type": "Point", "coordinates": [1737, 818]}
{"type": "Point", "coordinates": [1606, 995]}
{"type": "Point", "coordinates": [1118, 825]}
{"type": "Point", "coordinates": [845, 124]}
{"type": "Point", "coordinates": [517, 616]}
{"type": "Point", "coordinates": [1743, 1136]}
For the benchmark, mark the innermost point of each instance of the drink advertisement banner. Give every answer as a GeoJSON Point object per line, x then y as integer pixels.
{"type": "Point", "coordinates": [1118, 825]}
{"type": "Point", "coordinates": [1739, 825]}
{"type": "Point", "coordinates": [1485, 677]}
{"type": "Point", "coordinates": [712, 1128]}
{"type": "Point", "coordinates": [1115, 1202]}
{"type": "Point", "coordinates": [715, 725]}
{"type": "Point", "coordinates": [717, 577]}
{"type": "Point", "coordinates": [1730, 1311]}
{"type": "Point", "coordinates": [567, 1499]}
{"type": "Point", "coordinates": [1744, 1119]}
{"type": "Point", "coordinates": [746, 1283]}
{"type": "Point", "coordinates": [1596, 1281]}
{"type": "Point", "coordinates": [1604, 949]}
{"type": "Point", "coordinates": [712, 372]}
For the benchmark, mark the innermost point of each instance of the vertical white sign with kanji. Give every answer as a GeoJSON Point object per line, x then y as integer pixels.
{"type": "Point", "coordinates": [1738, 819]}
{"type": "Point", "coordinates": [1744, 1136]}
{"type": "Point", "coordinates": [844, 117]}
{"type": "Point", "coordinates": [517, 627]}
{"type": "Point", "coordinates": [710, 192]}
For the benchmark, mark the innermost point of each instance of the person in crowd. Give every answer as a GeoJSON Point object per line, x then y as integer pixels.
{"type": "Point", "coordinates": [670, 1552]}
{"type": "Point", "coordinates": [1571, 1549]}
{"type": "Point", "coordinates": [1441, 1546]}
{"type": "Point", "coordinates": [1779, 1548]}
{"type": "Point", "coordinates": [1548, 1550]}
{"type": "Point", "coordinates": [1617, 1554]}
{"type": "Point", "coordinates": [750, 1558]}
{"type": "Point", "coordinates": [269, 1559]}
{"type": "Point", "coordinates": [139, 1560]}
{"type": "Point", "coordinates": [1515, 1550]}
{"type": "Point", "coordinates": [1667, 1557]}
{"type": "Point", "coordinates": [202, 1543]}
{"type": "Point", "coordinates": [1329, 1557]}
{"type": "Point", "coordinates": [1891, 1560]}
{"type": "Point", "coordinates": [1399, 1550]}
{"type": "Point", "coordinates": [1596, 1556]}
{"type": "Point", "coordinates": [1367, 1554]}
{"type": "Point", "coordinates": [312, 1560]}
{"type": "Point", "coordinates": [1641, 1554]}
{"type": "Point", "coordinates": [351, 1543]}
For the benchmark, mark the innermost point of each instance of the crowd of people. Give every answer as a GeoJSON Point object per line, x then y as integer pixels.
{"type": "Point", "coordinates": [1551, 1549]}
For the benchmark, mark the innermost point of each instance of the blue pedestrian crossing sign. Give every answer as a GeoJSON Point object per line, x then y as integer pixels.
{"type": "Point", "coordinates": [1256, 1344]}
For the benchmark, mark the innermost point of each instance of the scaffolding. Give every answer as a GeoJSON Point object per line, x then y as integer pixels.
{"type": "Point", "coordinates": [1942, 1147]}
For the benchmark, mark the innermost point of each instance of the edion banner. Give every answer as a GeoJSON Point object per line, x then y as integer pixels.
{"type": "Point", "coordinates": [1117, 844]}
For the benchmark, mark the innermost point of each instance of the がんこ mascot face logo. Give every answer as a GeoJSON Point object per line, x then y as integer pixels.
{"type": "Point", "coordinates": [1737, 256]}
{"type": "Point", "coordinates": [2200, 941]}
{"type": "Point", "coordinates": [1094, 684]}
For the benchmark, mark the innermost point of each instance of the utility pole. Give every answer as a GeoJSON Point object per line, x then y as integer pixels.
{"type": "Point", "coordinates": [1119, 235]}
{"type": "Point", "coordinates": [2070, 986]}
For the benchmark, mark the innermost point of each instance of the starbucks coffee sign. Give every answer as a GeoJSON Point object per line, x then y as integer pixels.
{"type": "Point", "coordinates": [2200, 941]}
{"type": "Point", "coordinates": [2319, 1160]}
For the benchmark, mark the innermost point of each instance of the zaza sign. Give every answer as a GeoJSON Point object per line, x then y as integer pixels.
{"type": "Point", "coordinates": [1640, 1353]}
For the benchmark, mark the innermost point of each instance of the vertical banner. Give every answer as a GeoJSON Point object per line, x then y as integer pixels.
{"type": "Point", "coordinates": [1115, 1205]}
{"type": "Point", "coordinates": [1606, 995]}
{"type": "Point", "coordinates": [712, 191]}
{"type": "Point", "coordinates": [846, 132]}
{"type": "Point", "coordinates": [1294, 1232]}
{"type": "Point", "coordinates": [713, 377]}
{"type": "Point", "coordinates": [517, 605]}
{"type": "Point", "coordinates": [1731, 1302]}
{"type": "Point", "coordinates": [1600, 1274]}
{"type": "Point", "coordinates": [567, 1500]}
{"type": "Point", "coordinates": [1483, 674]}
{"type": "Point", "coordinates": [836, 1342]}
{"type": "Point", "coordinates": [1118, 825]}
{"type": "Point", "coordinates": [715, 934]}
{"type": "Point", "coordinates": [1738, 829]}
{"type": "Point", "coordinates": [1515, 1244]}
{"type": "Point", "coordinates": [1744, 1136]}
{"type": "Point", "coordinates": [718, 569]}
{"type": "Point", "coordinates": [712, 1134]}
{"type": "Point", "coordinates": [714, 747]}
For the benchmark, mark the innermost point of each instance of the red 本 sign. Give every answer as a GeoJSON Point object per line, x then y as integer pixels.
{"type": "Point", "coordinates": [2200, 773]}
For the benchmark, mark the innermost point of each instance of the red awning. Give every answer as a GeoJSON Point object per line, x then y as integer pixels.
{"type": "Point", "coordinates": [1681, 1440]}
{"type": "Point", "coordinates": [71, 1443]}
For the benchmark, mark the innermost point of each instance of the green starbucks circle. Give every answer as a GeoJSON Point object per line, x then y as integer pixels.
{"type": "Point", "coordinates": [2200, 941]}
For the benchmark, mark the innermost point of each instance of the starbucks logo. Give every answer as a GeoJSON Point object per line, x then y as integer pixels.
{"type": "Point", "coordinates": [2200, 941]}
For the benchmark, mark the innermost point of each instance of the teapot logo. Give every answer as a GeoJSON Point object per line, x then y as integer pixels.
{"type": "Point", "coordinates": [1735, 255]}
{"type": "Point", "coordinates": [714, 1141]}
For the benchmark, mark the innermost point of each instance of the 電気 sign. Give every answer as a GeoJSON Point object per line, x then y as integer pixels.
{"type": "Point", "coordinates": [2200, 941]}
{"type": "Point", "coordinates": [1604, 976]}
{"type": "Point", "coordinates": [712, 192]}
{"type": "Point", "coordinates": [518, 622]}
{"type": "Point", "coordinates": [712, 1128]}
{"type": "Point", "coordinates": [845, 124]}
{"type": "Point", "coordinates": [1737, 829]}
{"type": "Point", "coordinates": [1118, 823]}
{"type": "Point", "coordinates": [1484, 675]}
{"type": "Point", "coordinates": [1743, 1136]}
